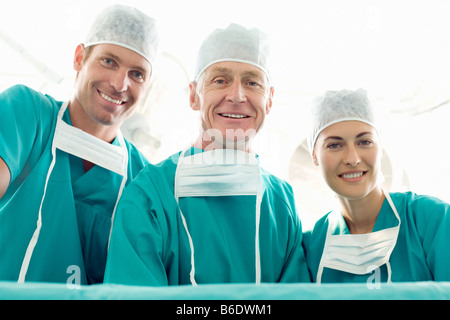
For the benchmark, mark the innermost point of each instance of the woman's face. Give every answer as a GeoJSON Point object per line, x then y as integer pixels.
{"type": "Point", "coordinates": [349, 156]}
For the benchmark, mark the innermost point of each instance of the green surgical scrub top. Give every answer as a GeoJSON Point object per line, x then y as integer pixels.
{"type": "Point", "coordinates": [150, 246]}
{"type": "Point", "coordinates": [422, 249]}
{"type": "Point", "coordinates": [77, 208]}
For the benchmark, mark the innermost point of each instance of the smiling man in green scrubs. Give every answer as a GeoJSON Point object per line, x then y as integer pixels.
{"type": "Point", "coordinates": [63, 166]}
{"type": "Point", "coordinates": [210, 214]}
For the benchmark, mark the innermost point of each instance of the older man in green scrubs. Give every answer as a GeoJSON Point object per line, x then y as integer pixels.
{"type": "Point", "coordinates": [64, 165]}
{"type": "Point", "coordinates": [210, 214]}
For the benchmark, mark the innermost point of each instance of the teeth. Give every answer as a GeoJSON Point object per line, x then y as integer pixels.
{"type": "Point", "coordinates": [352, 175]}
{"type": "Point", "coordinates": [108, 98]}
{"type": "Point", "coordinates": [231, 115]}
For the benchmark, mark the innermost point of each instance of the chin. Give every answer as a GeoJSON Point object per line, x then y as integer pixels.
{"type": "Point", "coordinates": [105, 121]}
{"type": "Point", "coordinates": [357, 193]}
{"type": "Point", "coordinates": [347, 193]}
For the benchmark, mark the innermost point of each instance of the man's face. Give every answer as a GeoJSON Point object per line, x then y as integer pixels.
{"type": "Point", "coordinates": [233, 98]}
{"type": "Point", "coordinates": [110, 83]}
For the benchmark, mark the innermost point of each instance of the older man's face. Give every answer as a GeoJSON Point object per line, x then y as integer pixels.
{"type": "Point", "coordinates": [233, 98]}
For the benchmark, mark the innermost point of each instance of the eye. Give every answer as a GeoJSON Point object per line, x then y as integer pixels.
{"type": "Point", "coordinates": [219, 81]}
{"type": "Point", "coordinates": [254, 81]}
{"type": "Point", "coordinates": [333, 146]}
{"type": "Point", "coordinates": [138, 75]}
{"type": "Point", "coordinates": [365, 143]}
{"type": "Point", "coordinates": [108, 62]}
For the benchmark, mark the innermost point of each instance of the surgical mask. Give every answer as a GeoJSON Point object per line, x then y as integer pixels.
{"type": "Point", "coordinates": [220, 172]}
{"type": "Point", "coordinates": [358, 253]}
{"type": "Point", "coordinates": [85, 146]}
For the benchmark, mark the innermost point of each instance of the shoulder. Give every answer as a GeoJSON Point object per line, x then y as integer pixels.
{"type": "Point", "coordinates": [26, 95]}
{"type": "Point", "coordinates": [19, 92]}
{"type": "Point", "coordinates": [151, 192]}
{"type": "Point", "coordinates": [277, 186]}
{"type": "Point", "coordinates": [424, 212]}
{"type": "Point", "coordinates": [279, 197]}
{"type": "Point", "coordinates": [165, 169]}
{"type": "Point", "coordinates": [419, 204]}
{"type": "Point", "coordinates": [318, 231]}
{"type": "Point", "coordinates": [157, 176]}
{"type": "Point", "coordinates": [29, 104]}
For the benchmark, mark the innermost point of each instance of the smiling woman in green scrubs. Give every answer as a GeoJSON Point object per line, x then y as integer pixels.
{"type": "Point", "coordinates": [64, 165]}
{"type": "Point", "coordinates": [374, 234]}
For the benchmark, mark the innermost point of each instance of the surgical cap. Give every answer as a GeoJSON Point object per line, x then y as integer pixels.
{"type": "Point", "coordinates": [127, 27]}
{"type": "Point", "coordinates": [338, 106]}
{"type": "Point", "coordinates": [235, 43]}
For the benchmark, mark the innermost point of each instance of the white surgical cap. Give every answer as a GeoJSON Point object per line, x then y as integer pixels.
{"type": "Point", "coordinates": [235, 43]}
{"type": "Point", "coordinates": [127, 27]}
{"type": "Point", "coordinates": [338, 106]}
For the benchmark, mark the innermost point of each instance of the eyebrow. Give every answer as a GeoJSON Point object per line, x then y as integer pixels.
{"type": "Point", "coordinates": [220, 70]}
{"type": "Point", "coordinates": [229, 71]}
{"type": "Point", "coordinates": [113, 56]}
{"type": "Point", "coordinates": [253, 74]}
{"type": "Point", "coordinates": [340, 138]}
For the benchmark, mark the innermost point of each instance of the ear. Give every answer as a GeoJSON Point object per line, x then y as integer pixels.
{"type": "Point", "coordinates": [78, 58]}
{"type": "Point", "coordinates": [269, 100]}
{"type": "Point", "coordinates": [193, 97]}
{"type": "Point", "coordinates": [314, 156]}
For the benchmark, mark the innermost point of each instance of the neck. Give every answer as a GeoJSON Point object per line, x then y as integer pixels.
{"type": "Point", "coordinates": [81, 120]}
{"type": "Point", "coordinates": [209, 144]}
{"type": "Point", "coordinates": [361, 214]}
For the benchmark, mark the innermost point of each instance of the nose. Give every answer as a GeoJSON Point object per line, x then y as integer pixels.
{"type": "Point", "coordinates": [120, 81]}
{"type": "Point", "coordinates": [236, 93]}
{"type": "Point", "coordinates": [351, 157]}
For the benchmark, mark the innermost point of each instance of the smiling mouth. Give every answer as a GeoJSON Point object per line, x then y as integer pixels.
{"type": "Point", "coordinates": [353, 175]}
{"type": "Point", "coordinates": [233, 115]}
{"type": "Point", "coordinates": [109, 99]}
